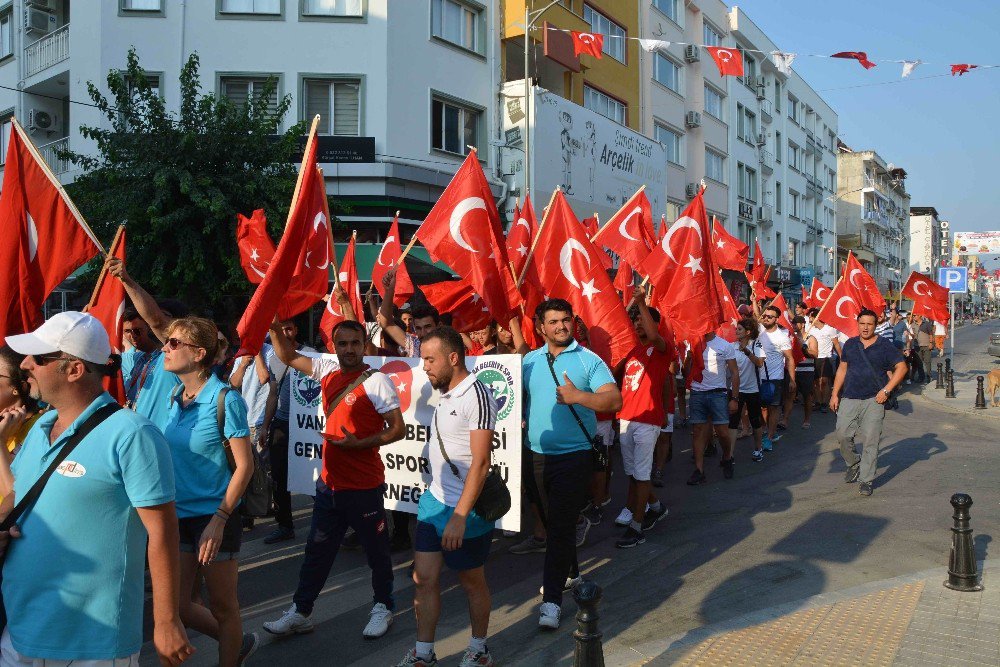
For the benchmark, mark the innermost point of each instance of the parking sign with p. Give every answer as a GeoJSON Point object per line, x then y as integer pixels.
{"type": "Point", "coordinates": [954, 278]}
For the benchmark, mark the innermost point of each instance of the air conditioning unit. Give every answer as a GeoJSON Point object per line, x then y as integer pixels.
{"type": "Point", "coordinates": [38, 22]}
{"type": "Point", "coordinates": [691, 190]}
{"type": "Point", "coordinates": [691, 53]}
{"type": "Point", "coordinates": [693, 119]}
{"type": "Point", "coordinates": [39, 119]}
{"type": "Point", "coordinates": [760, 92]}
{"type": "Point", "coordinates": [45, 5]}
{"type": "Point", "coordinates": [764, 213]}
{"type": "Point", "coordinates": [761, 138]}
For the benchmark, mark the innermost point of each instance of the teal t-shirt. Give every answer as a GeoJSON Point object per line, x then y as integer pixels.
{"type": "Point", "coordinates": [153, 401]}
{"type": "Point", "coordinates": [552, 429]}
{"type": "Point", "coordinates": [73, 584]}
{"type": "Point", "coordinates": [200, 465]}
{"type": "Point", "coordinates": [433, 511]}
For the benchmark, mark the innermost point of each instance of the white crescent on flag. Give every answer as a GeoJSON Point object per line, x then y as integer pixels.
{"type": "Point", "coordinates": [623, 230]}
{"type": "Point", "coordinates": [819, 293]}
{"type": "Point", "coordinates": [566, 257]}
{"type": "Point", "coordinates": [840, 302]}
{"type": "Point", "coordinates": [917, 285]}
{"type": "Point", "coordinates": [32, 238]}
{"type": "Point", "coordinates": [319, 221]}
{"type": "Point", "coordinates": [682, 222]}
{"type": "Point", "coordinates": [850, 277]}
{"type": "Point", "coordinates": [725, 55]}
{"type": "Point", "coordinates": [586, 37]}
{"type": "Point", "coordinates": [524, 222]}
{"type": "Point", "coordinates": [329, 307]}
{"type": "Point", "coordinates": [455, 221]}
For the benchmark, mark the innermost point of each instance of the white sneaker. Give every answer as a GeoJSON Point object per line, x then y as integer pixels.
{"type": "Point", "coordinates": [549, 614]}
{"type": "Point", "coordinates": [624, 518]}
{"type": "Point", "coordinates": [378, 624]}
{"type": "Point", "coordinates": [570, 583]}
{"type": "Point", "coordinates": [290, 623]}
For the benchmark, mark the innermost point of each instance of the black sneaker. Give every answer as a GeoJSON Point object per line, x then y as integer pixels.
{"type": "Point", "coordinates": [711, 449]}
{"type": "Point", "coordinates": [657, 478]}
{"type": "Point", "coordinates": [631, 538]}
{"type": "Point", "coordinates": [697, 477]}
{"type": "Point", "coordinates": [652, 516]}
{"type": "Point", "coordinates": [865, 488]}
{"type": "Point", "coordinates": [727, 467]}
{"type": "Point", "coordinates": [280, 534]}
{"type": "Point", "coordinates": [250, 643]}
{"type": "Point", "coordinates": [852, 473]}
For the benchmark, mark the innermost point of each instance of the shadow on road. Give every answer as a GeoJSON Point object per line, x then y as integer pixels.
{"type": "Point", "coordinates": [902, 454]}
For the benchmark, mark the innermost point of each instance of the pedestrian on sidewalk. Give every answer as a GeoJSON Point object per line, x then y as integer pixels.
{"type": "Point", "coordinates": [925, 342]}
{"type": "Point", "coordinates": [805, 370]}
{"type": "Point", "coordinates": [776, 344]}
{"type": "Point", "coordinates": [362, 414]}
{"type": "Point", "coordinates": [870, 369]}
{"type": "Point", "coordinates": [449, 531]}
{"type": "Point", "coordinates": [711, 404]}
{"type": "Point", "coordinates": [748, 364]}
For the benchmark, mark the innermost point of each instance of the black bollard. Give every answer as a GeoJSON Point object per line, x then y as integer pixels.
{"type": "Point", "coordinates": [940, 379]}
{"type": "Point", "coordinates": [947, 364]}
{"type": "Point", "coordinates": [949, 391]}
{"type": "Point", "coordinates": [980, 394]}
{"type": "Point", "coordinates": [962, 561]}
{"type": "Point", "coordinates": [589, 651]}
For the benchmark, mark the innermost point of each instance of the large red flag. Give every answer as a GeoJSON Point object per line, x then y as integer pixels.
{"type": "Point", "coordinates": [842, 307]}
{"type": "Point", "coordinates": [731, 316]}
{"type": "Point", "coordinates": [520, 235]}
{"type": "Point", "coordinates": [929, 298]}
{"type": "Point", "coordinates": [861, 280]}
{"type": "Point", "coordinates": [625, 281]}
{"type": "Point", "coordinates": [108, 306]}
{"type": "Point", "coordinates": [301, 256]}
{"type": "Point", "coordinates": [348, 278]}
{"type": "Point", "coordinates": [566, 263]}
{"type": "Point", "coordinates": [805, 297]}
{"type": "Point", "coordinates": [463, 231]}
{"type": "Point", "coordinates": [629, 232]}
{"type": "Point", "coordinates": [591, 43]}
{"type": "Point", "coordinates": [468, 312]}
{"type": "Point", "coordinates": [818, 293]}
{"type": "Point", "coordinates": [45, 238]}
{"type": "Point", "coordinates": [255, 244]}
{"type": "Point", "coordinates": [729, 252]}
{"type": "Point", "coordinates": [729, 61]}
{"type": "Point", "coordinates": [388, 258]}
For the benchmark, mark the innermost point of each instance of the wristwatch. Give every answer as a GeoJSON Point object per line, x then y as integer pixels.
{"type": "Point", "coordinates": [886, 392]}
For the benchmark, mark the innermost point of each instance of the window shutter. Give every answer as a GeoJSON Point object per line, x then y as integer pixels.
{"type": "Point", "coordinates": [346, 109]}
{"type": "Point", "coordinates": [318, 102]}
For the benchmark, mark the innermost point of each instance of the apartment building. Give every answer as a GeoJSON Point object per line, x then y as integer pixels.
{"type": "Point", "coordinates": [873, 216]}
{"type": "Point", "coordinates": [930, 240]}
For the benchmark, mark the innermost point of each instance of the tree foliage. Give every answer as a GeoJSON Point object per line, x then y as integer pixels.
{"type": "Point", "coordinates": [177, 181]}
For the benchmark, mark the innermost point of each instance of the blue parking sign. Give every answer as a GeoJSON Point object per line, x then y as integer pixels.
{"type": "Point", "coordinates": [954, 278]}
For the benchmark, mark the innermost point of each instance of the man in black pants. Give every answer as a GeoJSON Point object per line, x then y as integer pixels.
{"type": "Point", "coordinates": [565, 385]}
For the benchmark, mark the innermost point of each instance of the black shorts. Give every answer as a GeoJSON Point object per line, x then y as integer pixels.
{"type": "Point", "coordinates": [472, 554]}
{"type": "Point", "coordinates": [192, 527]}
{"type": "Point", "coordinates": [824, 368]}
{"type": "Point", "coordinates": [754, 414]}
{"type": "Point", "coordinates": [804, 384]}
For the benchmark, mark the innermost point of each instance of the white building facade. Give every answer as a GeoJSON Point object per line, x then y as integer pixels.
{"type": "Point", "coordinates": [930, 240]}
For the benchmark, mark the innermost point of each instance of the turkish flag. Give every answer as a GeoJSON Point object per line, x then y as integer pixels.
{"type": "Point", "coordinates": [520, 235]}
{"type": "Point", "coordinates": [929, 298]}
{"type": "Point", "coordinates": [456, 297]}
{"type": "Point", "coordinates": [255, 244]}
{"type": "Point", "coordinates": [463, 230]}
{"type": "Point", "coordinates": [805, 297]}
{"type": "Point", "coordinates": [591, 43]}
{"type": "Point", "coordinates": [727, 250]}
{"type": "Point", "coordinates": [301, 261]}
{"type": "Point", "coordinates": [568, 265]}
{"type": "Point", "coordinates": [590, 224]}
{"type": "Point", "coordinates": [625, 281]}
{"type": "Point", "coordinates": [962, 69]}
{"type": "Point", "coordinates": [44, 237]}
{"type": "Point", "coordinates": [729, 61]}
{"type": "Point", "coordinates": [842, 307]}
{"type": "Point", "coordinates": [388, 258]}
{"type": "Point", "coordinates": [818, 293]}
{"type": "Point", "coordinates": [727, 329]}
{"type": "Point", "coordinates": [861, 280]}
{"type": "Point", "coordinates": [629, 232]}
{"type": "Point", "coordinates": [682, 271]}
{"type": "Point", "coordinates": [348, 277]}
{"type": "Point", "coordinates": [108, 306]}
{"type": "Point", "coordinates": [860, 56]}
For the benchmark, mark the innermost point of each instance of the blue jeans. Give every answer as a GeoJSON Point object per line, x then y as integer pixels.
{"type": "Point", "coordinates": [333, 513]}
{"type": "Point", "coordinates": [709, 407]}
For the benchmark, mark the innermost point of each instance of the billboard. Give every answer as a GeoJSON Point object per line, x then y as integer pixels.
{"type": "Point", "coordinates": [598, 163]}
{"type": "Point", "coordinates": [973, 243]}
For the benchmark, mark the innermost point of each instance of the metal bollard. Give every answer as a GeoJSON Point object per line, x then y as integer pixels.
{"type": "Point", "coordinates": [949, 391]}
{"type": "Point", "coordinates": [980, 394]}
{"type": "Point", "coordinates": [962, 561]}
{"type": "Point", "coordinates": [589, 651]}
{"type": "Point", "coordinates": [940, 378]}
{"type": "Point", "coordinates": [947, 364]}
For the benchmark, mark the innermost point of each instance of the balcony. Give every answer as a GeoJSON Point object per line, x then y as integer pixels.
{"type": "Point", "coordinates": [50, 153]}
{"type": "Point", "coordinates": [767, 160]}
{"type": "Point", "coordinates": [765, 110]}
{"type": "Point", "coordinates": [46, 52]}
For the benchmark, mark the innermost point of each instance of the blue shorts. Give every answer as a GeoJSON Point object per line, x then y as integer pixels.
{"type": "Point", "coordinates": [469, 556]}
{"type": "Point", "coordinates": [709, 406]}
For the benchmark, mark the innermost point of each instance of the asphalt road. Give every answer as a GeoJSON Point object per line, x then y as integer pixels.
{"type": "Point", "coordinates": [781, 531]}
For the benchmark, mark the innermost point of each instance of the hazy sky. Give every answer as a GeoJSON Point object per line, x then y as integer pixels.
{"type": "Point", "coordinates": [942, 130]}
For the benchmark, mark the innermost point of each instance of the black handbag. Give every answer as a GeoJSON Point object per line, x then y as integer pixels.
{"type": "Point", "coordinates": [31, 496]}
{"type": "Point", "coordinates": [892, 402]}
{"type": "Point", "coordinates": [494, 500]}
{"type": "Point", "coordinates": [597, 449]}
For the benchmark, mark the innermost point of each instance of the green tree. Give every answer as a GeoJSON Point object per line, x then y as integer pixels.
{"type": "Point", "coordinates": [177, 181]}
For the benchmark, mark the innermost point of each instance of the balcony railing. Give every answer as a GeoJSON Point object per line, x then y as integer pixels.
{"type": "Point", "coordinates": [46, 52]}
{"type": "Point", "coordinates": [765, 110]}
{"type": "Point", "coordinates": [50, 153]}
{"type": "Point", "coordinates": [767, 159]}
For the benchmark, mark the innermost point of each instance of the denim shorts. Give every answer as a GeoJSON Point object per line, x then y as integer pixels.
{"type": "Point", "coordinates": [192, 527]}
{"type": "Point", "coordinates": [469, 556]}
{"type": "Point", "coordinates": [709, 406]}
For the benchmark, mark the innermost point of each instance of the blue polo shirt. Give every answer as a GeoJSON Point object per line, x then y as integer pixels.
{"type": "Point", "coordinates": [860, 382]}
{"type": "Point", "coordinates": [552, 429]}
{"type": "Point", "coordinates": [153, 401]}
{"type": "Point", "coordinates": [73, 584]}
{"type": "Point", "coordinates": [200, 465]}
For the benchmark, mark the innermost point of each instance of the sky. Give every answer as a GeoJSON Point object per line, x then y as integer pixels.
{"type": "Point", "coordinates": [942, 130]}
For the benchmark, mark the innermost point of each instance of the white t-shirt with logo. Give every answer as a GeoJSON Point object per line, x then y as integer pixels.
{"type": "Point", "coordinates": [773, 344]}
{"type": "Point", "coordinates": [748, 372]}
{"type": "Point", "coordinates": [717, 352]}
{"type": "Point", "coordinates": [824, 340]}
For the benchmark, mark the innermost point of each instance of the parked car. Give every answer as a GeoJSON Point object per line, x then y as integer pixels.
{"type": "Point", "coordinates": [994, 347]}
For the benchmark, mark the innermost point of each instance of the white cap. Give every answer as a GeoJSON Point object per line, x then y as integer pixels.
{"type": "Point", "coordinates": [78, 334]}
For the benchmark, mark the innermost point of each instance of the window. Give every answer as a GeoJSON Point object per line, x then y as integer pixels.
{"type": "Point", "coordinates": [338, 103]}
{"type": "Point", "coordinates": [608, 107]}
{"type": "Point", "coordinates": [240, 89]}
{"type": "Point", "coordinates": [777, 146]}
{"type": "Point", "coordinates": [793, 108]}
{"type": "Point", "coordinates": [458, 23]}
{"type": "Point", "coordinates": [263, 7]}
{"type": "Point", "coordinates": [746, 125]}
{"type": "Point", "coordinates": [673, 211]}
{"type": "Point", "coordinates": [6, 34]}
{"type": "Point", "coordinates": [614, 34]}
{"type": "Point", "coordinates": [154, 83]}
{"type": "Point", "coordinates": [793, 204]}
{"type": "Point", "coordinates": [711, 36]}
{"type": "Point", "coordinates": [777, 96]}
{"type": "Point", "coordinates": [667, 72]}
{"type": "Point", "coordinates": [746, 186]}
{"type": "Point", "coordinates": [832, 140]}
{"type": "Point", "coordinates": [715, 166]}
{"type": "Point", "coordinates": [778, 250]}
{"type": "Point", "coordinates": [5, 129]}
{"type": "Point", "coordinates": [454, 126]}
{"type": "Point", "coordinates": [713, 102]}
{"type": "Point", "coordinates": [668, 8]}
{"type": "Point", "coordinates": [749, 71]}
{"type": "Point", "coordinates": [793, 156]}
{"type": "Point", "coordinates": [332, 8]}
{"type": "Point", "coordinates": [671, 141]}
{"type": "Point", "coordinates": [777, 197]}
{"type": "Point", "coordinates": [142, 5]}
{"type": "Point", "coordinates": [794, 248]}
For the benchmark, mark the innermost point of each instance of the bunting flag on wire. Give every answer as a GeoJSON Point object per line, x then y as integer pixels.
{"type": "Point", "coordinates": [860, 56]}
{"type": "Point", "coordinates": [962, 69]}
{"type": "Point", "coordinates": [909, 66]}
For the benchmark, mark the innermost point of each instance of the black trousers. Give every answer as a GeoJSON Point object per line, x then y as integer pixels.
{"type": "Point", "coordinates": [278, 447]}
{"type": "Point", "coordinates": [558, 484]}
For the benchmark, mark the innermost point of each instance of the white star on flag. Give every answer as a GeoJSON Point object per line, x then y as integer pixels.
{"type": "Point", "coordinates": [254, 255]}
{"type": "Point", "coordinates": [522, 250]}
{"type": "Point", "coordinates": [589, 290]}
{"type": "Point", "coordinates": [475, 297]}
{"type": "Point", "coordinates": [401, 386]}
{"type": "Point", "coordinates": [720, 244]}
{"type": "Point", "coordinates": [694, 263]}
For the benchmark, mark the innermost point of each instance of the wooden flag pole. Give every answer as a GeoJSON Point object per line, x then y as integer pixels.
{"type": "Point", "coordinates": [302, 170]}
{"type": "Point", "coordinates": [406, 250]}
{"type": "Point", "coordinates": [104, 271]}
{"type": "Point", "coordinates": [538, 235]}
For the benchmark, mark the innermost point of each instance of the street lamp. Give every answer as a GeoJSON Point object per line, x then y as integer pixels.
{"type": "Point", "coordinates": [529, 22]}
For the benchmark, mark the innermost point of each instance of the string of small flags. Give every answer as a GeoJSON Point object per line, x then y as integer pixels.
{"type": "Point", "coordinates": [730, 60]}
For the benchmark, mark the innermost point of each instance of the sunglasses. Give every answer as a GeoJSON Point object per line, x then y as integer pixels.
{"type": "Point", "coordinates": [174, 344]}
{"type": "Point", "coordinates": [134, 332]}
{"type": "Point", "coordinates": [44, 359]}
{"type": "Point", "coordinates": [768, 317]}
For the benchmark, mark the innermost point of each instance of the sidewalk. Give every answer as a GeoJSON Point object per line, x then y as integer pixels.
{"type": "Point", "coordinates": [910, 620]}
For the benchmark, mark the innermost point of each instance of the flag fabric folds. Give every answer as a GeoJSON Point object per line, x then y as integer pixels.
{"type": "Point", "coordinates": [860, 56]}
{"type": "Point", "coordinates": [468, 312]}
{"type": "Point", "coordinates": [388, 258]}
{"type": "Point", "coordinates": [929, 298]}
{"type": "Point", "coordinates": [348, 280]}
{"type": "Point", "coordinates": [861, 280]}
{"type": "Point", "coordinates": [818, 293]}
{"type": "Point", "coordinates": [520, 236]}
{"type": "Point", "coordinates": [255, 245]}
{"type": "Point", "coordinates": [842, 307]}
{"type": "Point", "coordinates": [108, 306]}
{"type": "Point", "coordinates": [729, 61]}
{"type": "Point", "coordinates": [591, 43]}
{"type": "Point", "coordinates": [629, 232]}
{"type": "Point", "coordinates": [729, 252]}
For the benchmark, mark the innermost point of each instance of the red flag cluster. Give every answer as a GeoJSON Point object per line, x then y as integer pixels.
{"type": "Point", "coordinates": [929, 298]}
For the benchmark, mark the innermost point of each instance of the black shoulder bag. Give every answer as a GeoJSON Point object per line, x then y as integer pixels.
{"type": "Point", "coordinates": [494, 500]}
{"type": "Point", "coordinates": [892, 402]}
{"type": "Point", "coordinates": [29, 499]}
{"type": "Point", "coordinates": [597, 448]}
